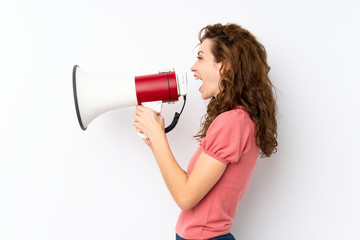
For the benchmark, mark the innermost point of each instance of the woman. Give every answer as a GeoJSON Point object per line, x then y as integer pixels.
{"type": "Point", "coordinates": [240, 123]}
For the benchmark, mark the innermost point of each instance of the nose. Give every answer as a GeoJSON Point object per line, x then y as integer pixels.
{"type": "Point", "coordinates": [194, 67]}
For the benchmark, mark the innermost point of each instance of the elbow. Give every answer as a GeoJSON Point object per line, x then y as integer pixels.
{"type": "Point", "coordinates": [186, 204]}
{"type": "Point", "coordinates": [185, 207]}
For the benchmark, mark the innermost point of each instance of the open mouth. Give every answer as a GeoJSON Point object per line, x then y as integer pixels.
{"type": "Point", "coordinates": [198, 78]}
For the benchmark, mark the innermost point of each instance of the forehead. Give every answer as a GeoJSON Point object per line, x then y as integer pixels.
{"type": "Point", "coordinates": [205, 46]}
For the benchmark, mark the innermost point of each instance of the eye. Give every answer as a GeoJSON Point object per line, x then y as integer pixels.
{"type": "Point", "coordinates": [199, 57]}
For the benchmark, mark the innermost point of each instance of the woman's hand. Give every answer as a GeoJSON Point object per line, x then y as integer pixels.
{"type": "Point", "coordinates": [150, 123]}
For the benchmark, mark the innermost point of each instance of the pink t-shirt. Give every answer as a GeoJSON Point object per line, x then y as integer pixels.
{"type": "Point", "coordinates": [231, 140]}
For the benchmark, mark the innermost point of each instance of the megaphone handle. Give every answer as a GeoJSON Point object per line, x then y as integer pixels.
{"type": "Point", "coordinates": [156, 106]}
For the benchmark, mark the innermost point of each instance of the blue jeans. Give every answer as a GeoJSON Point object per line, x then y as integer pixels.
{"type": "Point", "coordinates": [228, 236]}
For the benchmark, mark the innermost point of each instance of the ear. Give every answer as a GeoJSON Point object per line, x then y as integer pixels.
{"type": "Point", "coordinates": [225, 66]}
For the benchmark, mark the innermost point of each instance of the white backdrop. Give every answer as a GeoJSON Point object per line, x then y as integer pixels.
{"type": "Point", "coordinates": [58, 182]}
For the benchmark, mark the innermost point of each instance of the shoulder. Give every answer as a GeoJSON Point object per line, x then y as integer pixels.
{"type": "Point", "coordinates": [229, 136]}
{"type": "Point", "coordinates": [235, 123]}
{"type": "Point", "coordinates": [235, 117]}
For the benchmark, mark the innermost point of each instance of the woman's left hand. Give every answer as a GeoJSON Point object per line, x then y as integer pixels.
{"type": "Point", "coordinates": [149, 122]}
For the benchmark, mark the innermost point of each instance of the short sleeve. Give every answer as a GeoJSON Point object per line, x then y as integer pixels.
{"type": "Point", "coordinates": [229, 136]}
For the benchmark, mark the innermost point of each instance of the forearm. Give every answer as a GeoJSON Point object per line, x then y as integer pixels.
{"type": "Point", "coordinates": [174, 176]}
{"type": "Point", "coordinates": [186, 190]}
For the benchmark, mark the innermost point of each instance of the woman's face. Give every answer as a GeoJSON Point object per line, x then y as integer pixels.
{"type": "Point", "coordinates": [207, 70]}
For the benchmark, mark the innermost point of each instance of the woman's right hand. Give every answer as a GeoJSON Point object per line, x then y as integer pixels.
{"type": "Point", "coordinates": [149, 123]}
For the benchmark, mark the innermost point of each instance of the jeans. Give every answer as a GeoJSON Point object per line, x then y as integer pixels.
{"type": "Point", "coordinates": [228, 236]}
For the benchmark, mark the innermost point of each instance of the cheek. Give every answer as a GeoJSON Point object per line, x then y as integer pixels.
{"type": "Point", "coordinates": [215, 69]}
{"type": "Point", "coordinates": [215, 77]}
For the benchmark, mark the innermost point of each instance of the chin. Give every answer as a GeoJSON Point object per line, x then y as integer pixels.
{"type": "Point", "coordinates": [205, 97]}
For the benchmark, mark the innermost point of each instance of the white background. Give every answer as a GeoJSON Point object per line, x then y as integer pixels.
{"type": "Point", "coordinates": [58, 182]}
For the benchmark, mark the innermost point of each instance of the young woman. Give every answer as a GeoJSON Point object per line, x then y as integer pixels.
{"type": "Point", "coordinates": [239, 125]}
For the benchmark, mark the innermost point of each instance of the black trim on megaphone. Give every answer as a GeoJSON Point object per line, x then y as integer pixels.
{"type": "Point", "coordinates": [167, 75]}
{"type": "Point", "coordinates": [75, 98]}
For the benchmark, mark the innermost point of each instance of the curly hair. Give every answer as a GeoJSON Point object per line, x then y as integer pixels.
{"type": "Point", "coordinates": [245, 82]}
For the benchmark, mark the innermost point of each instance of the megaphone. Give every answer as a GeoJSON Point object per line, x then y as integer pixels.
{"type": "Point", "coordinates": [94, 96]}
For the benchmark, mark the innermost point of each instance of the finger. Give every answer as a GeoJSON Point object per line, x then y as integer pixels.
{"type": "Point", "coordinates": [139, 112]}
{"type": "Point", "coordinates": [141, 108]}
{"type": "Point", "coordinates": [137, 125]}
{"type": "Point", "coordinates": [147, 141]}
{"type": "Point", "coordinates": [144, 109]}
{"type": "Point", "coordinates": [136, 118]}
{"type": "Point", "coordinates": [138, 130]}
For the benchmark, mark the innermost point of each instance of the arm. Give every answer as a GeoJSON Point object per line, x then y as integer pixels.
{"type": "Point", "coordinates": [187, 191]}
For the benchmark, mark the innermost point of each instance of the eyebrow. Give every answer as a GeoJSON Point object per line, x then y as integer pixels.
{"type": "Point", "coordinates": [200, 52]}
